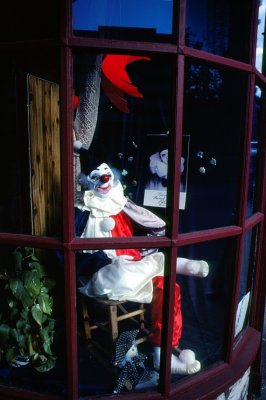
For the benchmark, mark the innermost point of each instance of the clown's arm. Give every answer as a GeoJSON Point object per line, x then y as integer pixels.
{"type": "Point", "coordinates": [155, 226]}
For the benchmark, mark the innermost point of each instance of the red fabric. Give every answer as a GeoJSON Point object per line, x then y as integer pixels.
{"type": "Point", "coordinates": [156, 313]}
{"type": "Point", "coordinates": [114, 68]}
{"type": "Point", "coordinates": [115, 95]}
{"type": "Point", "coordinates": [123, 228]}
{"type": "Point", "coordinates": [75, 102]}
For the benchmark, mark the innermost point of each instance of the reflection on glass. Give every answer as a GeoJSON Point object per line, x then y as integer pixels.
{"type": "Point", "coordinates": [254, 153]}
{"type": "Point", "coordinates": [31, 320]}
{"type": "Point", "coordinates": [214, 120]}
{"type": "Point", "coordinates": [218, 27]}
{"type": "Point", "coordinates": [206, 301]}
{"type": "Point", "coordinates": [246, 280]}
{"type": "Point", "coordinates": [260, 35]}
{"type": "Point", "coordinates": [122, 126]}
{"type": "Point", "coordinates": [136, 20]}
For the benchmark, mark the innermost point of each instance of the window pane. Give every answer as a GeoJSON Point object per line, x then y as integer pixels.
{"type": "Point", "coordinates": [219, 27]}
{"type": "Point", "coordinates": [119, 320]}
{"type": "Point", "coordinates": [123, 19]}
{"type": "Point", "coordinates": [260, 36]}
{"type": "Point", "coordinates": [32, 321]}
{"type": "Point", "coordinates": [205, 301]}
{"type": "Point", "coordinates": [123, 119]}
{"type": "Point", "coordinates": [246, 281]}
{"type": "Point", "coordinates": [30, 173]}
{"type": "Point", "coordinates": [214, 121]}
{"type": "Point", "coordinates": [253, 184]}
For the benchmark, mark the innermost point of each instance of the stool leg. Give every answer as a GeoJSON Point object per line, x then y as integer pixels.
{"type": "Point", "coordinates": [86, 321]}
{"type": "Point", "coordinates": [113, 322]}
{"type": "Point", "coordinates": [142, 316]}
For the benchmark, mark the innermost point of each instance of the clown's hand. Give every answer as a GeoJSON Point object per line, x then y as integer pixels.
{"type": "Point", "coordinates": [199, 268]}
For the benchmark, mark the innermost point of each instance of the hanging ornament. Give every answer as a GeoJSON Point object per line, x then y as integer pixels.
{"type": "Point", "coordinates": [202, 170]}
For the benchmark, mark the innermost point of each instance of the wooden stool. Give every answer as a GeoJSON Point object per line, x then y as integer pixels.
{"type": "Point", "coordinates": [116, 312]}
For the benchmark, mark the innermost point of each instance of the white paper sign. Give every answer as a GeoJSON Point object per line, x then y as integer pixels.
{"type": "Point", "coordinates": [241, 313]}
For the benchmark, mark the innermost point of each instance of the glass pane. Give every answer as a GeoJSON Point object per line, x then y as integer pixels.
{"type": "Point", "coordinates": [122, 120]}
{"type": "Point", "coordinates": [253, 185]}
{"type": "Point", "coordinates": [32, 321]}
{"type": "Point", "coordinates": [124, 19]}
{"type": "Point", "coordinates": [205, 300]}
{"type": "Point", "coordinates": [219, 27]}
{"type": "Point", "coordinates": [30, 174]}
{"type": "Point", "coordinates": [214, 121]}
{"type": "Point", "coordinates": [260, 36]}
{"type": "Point", "coordinates": [119, 319]}
{"type": "Point", "coordinates": [246, 280]}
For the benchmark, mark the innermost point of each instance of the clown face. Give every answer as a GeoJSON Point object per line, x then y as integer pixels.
{"type": "Point", "coordinates": [101, 180]}
{"type": "Point", "coordinates": [164, 156]}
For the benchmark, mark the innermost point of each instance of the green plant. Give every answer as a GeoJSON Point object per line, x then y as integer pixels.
{"type": "Point", "coordinates": [26, 325]}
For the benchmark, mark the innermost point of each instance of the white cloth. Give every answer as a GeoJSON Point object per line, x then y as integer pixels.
{"type": "Point", "coordinates": [124, 279]}
{"type": "Point", "coordinates": [100, 208]}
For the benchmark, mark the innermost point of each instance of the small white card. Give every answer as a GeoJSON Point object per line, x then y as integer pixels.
{"type": "Point", "coordinates": [241, 313]}
{"type": "Point", "coordinates": [157, 198]}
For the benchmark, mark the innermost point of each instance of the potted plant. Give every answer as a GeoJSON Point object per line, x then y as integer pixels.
{"type": "Point", "coordinates": [26, 323]}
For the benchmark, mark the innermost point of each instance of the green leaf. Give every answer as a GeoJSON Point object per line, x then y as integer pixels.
{"type": "Point", "coordinates": [11, 354]}
{"type": "Point", "coordinates": [4, 334]}
{"type": "Point", "coordinates": [18, 258]}
{"type": "Point", "coordinates": [38, 267]}
{"type": "Point", "coordinates": [28, 251]}
{"type": "Point", "coordinates": [18, 290]}
{"type": "Point", "coordinates": [37, 313]}
{"type": "Point", "coordinates": [21, 340]}
{"type": "Point", "coordinates": [27, 329]}
{"type": "Point", "coordinates": [20, 323]}
{"type": "Point", "coordinates": [47, 366]}
{"type": "Point", "coordinates": [51, 324]}
{"type": "Point", "coordinates": [32, 283]}
{"type": "Point", "coordinates": [47, 348]}
{"type": "Point", "coordinates": [46, 303]}
{"type": "Point", "coordinates": [25, 312]}
{"type": "Point", "coordinates": [12, 302]}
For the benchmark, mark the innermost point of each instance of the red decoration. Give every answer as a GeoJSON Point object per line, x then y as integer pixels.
{"type": "Point", "coordinates": [114, 68]}
{"type": "Point", "coordinates": [75, 102]}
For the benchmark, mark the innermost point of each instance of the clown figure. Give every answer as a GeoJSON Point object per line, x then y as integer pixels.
{"type": "Point", "coordinates": [127, 274]}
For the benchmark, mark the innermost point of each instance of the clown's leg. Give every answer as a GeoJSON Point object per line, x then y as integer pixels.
{"type": "Point", "coordinates": [184, 364]}
{"type": "Point", "coordinates": [184, 266]}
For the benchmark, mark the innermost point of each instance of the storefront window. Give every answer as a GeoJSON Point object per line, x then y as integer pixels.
{"type": "Point", "coordinates": [32, 320]}
{"type": "Point", "coordinates": [149, 20]}
{"type": "Point", "coordinates": [214, 111]}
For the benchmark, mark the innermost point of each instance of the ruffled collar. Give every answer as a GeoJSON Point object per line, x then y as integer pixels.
{"type": "Point", "coordinates": [105, 206]}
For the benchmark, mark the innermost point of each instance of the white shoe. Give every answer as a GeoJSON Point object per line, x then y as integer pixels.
{"type": "Point", "coordinates": [184, 364]}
